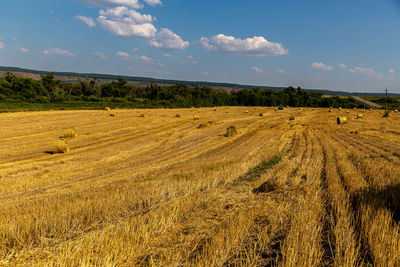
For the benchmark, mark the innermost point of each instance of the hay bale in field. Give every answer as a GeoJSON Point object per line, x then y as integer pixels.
{"type": "Point", "coordinates": [348, 112]}
{"type": "Point", "coordinates": [370, 109]}
{"type": "Point", "coordinates": [395, 111]}
{"type": "Point", "coordinates": [214, 109]}
{"type": "Point", "coordinates": [113, 114]}
{"type": "Point", "coordinates": [341, 120]}
{"type": "Point", "coordinates": [340, 108]}
{"type": "Point", "coordinates": [359, 116]}
{"type": "Point", "coordinates": [70, 133]}
{"type": "Point", "coordinates": [231, 131]}
{"type": "Point", "coordinates": [142, 115]}
{"type": "Point", "coordinates": [178, 115]}
{"type": "Point", "coordinates": [291, 118]}
{"type": "Point", "coordinates": [226, 111]}
{"type": "Point", "coordinates": [260, 114]}
{"type": "Point", "coordinates": [196, 117]}
{"type": "Point", "coordinates": [354, 108]}
{"type": "Point", "coordinates": [330, 110]}
{"type": "Point", "coordinates": [246, 111]}
{"type": "Point", "coordinates": [202, 126]}
{"type": "Point", "coordinates": [61, 147]}
{"type": "Point", "coordinates": [108, 108]}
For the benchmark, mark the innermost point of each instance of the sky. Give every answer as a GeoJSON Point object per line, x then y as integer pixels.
{"type": "Point", "coordinates": [343, 45]}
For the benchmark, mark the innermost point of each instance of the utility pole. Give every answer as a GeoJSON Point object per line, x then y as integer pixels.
{"type": "Point", "coordinates": [386, 99]}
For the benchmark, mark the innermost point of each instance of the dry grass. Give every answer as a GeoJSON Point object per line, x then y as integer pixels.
{"type": "Point", "coordinates": [160, 192]}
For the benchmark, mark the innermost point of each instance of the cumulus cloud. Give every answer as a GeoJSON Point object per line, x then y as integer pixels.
{"type": "Point", "coordinates": [342, 65]}
{"type": "Point", "coordinates": [153, 2]}
{"type": "Point", "coordinates": [142, 59]}
{"type": "Point", "coordinates": [281, 71]}
{"type": "Point", "coordinates": [111, 3]}
{"type": "Point", "coordinates": [58, 51]}
{"type": "Point", "coordinates": [23, 50]}
{"type": "Point", "coordinates": [256, 46]}
{"type": "Point", "coordinates": [1, 45]}
{"type": "Point", "coordinates": [166, 39]}
{"type": "Point", "coordinates": [89, 21]}
{"type": "Point", "coordinates": [321, 66]}
{"type": "Point", "coordinates": [126, 22]}
{"type": "Point", "coordinates": [257, 69]}
{"type": "Point", "coordinates": [100, 55]}
{"type": "Point", "coordinates": [367, 72]}
{"type": "Point", "coordinates": [391, 71]}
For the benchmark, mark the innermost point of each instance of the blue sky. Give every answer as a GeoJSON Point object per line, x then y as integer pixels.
{"type": "Point", "coordinates": [349, 45]}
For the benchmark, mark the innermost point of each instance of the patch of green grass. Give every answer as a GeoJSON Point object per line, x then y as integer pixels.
{"type": "Point", "coordinates": [254, 173]}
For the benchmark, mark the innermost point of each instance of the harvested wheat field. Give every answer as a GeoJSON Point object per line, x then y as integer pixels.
{"type": "Point", "coordinates": [160, 190]}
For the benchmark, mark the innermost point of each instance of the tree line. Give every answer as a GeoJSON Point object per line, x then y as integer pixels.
{"type": "Point", "coordinates": [50, 90]}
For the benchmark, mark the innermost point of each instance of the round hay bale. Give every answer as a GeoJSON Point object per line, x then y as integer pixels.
{"type": "Point", "coordinates": [142, 115]}
{"type": "Point", "coordinates": [354, 108]}
{"type": "Point", "coordinates": [226, 111]}
{"type": "Point", "coordinates": [196, 117]}
{"type": "Point", "coordinates": [61, 147]}
{"type": "Point", "coordinates": [395, 111]}
{"type": "Point", "coordinates": [340, 108]}
{"type": "Point", "coordinates": [202, 126]}
{"type": "Point", "coordinates": [246, 111]}
{"type": "Point", "coordinates": [231, 131]}
{"type": "Point", "coordinates": [330, 110]}
{"type": "Point", "coordinates": [291, 118]}
{"type": "Point", "coordinates": [70, 133]}
{"type": "Point", "coordinates": [108, 108]}
{"type": "Point", "coordinates": [113, 114]}
{"type": "Point", "coordinates": [370, 109]}
{"type": "Point", "coordinates": [359, 116]}
{"type": "Point", "coordinates": [178, 115]}
{"type": "Point", "coordinates": [341, 120]}
{"type": "Point", "coordinates": [260, 114]}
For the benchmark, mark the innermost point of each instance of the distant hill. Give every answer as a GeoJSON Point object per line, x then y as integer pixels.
{"type": "Point", "coordinates": [73, 76]}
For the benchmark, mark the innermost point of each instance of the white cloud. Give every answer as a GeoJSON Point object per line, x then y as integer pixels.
{"type": "Point", "coordinates": [58, 51]}
{"type": "Point", "coordinates": [126, 22]}
{"type": "Point", "coordinates": [342, 65]}
{"type": "Point", "coordinates": [142, 59]}
{"type": "Point", "coordinates": [166, 39]}
{"type": "Point", "coordinates": [153, 2]}
{"type": "Point", "coordinates": [257, 69]}
{"type": "Point", "coordinates": [189, 57]}
{"type": "Point", "coordinates": [256, 46]}
{"type": "Point", "coordinates": [281, 71]}
{"type": "Point", "coordinates": [100, 55]}
{"type": "Point", "coordinates": [161, 65]}
{"type": "Point", "coordinates": [110, 3]}
{"type": "Point", "coordinates": [23, 50]}
{"type": "Point", "coordinates": [89, 21]}
{"type": "Point", "coordinates": [205, 73]}
{"type": "Point", "coordinates": [367, 72]}
{"type": "Point", "coordinates": [1, 45]}
{"type": "Point", "coordinates": [167, 55]}
{"type": "Point", "coordinates": [135, 49]}
{"type": "Point", "coordinates": [391, 71]}
{"type": "Point", "coordinates": [194, 62]}
{"type": "Point", "coordinates": [123, 54]}
{"type": "Point", "coordinates": [321, 66]}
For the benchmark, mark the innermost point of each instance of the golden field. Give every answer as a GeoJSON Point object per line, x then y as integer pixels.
{"type": "Point", "coordinates": [151, 188]}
